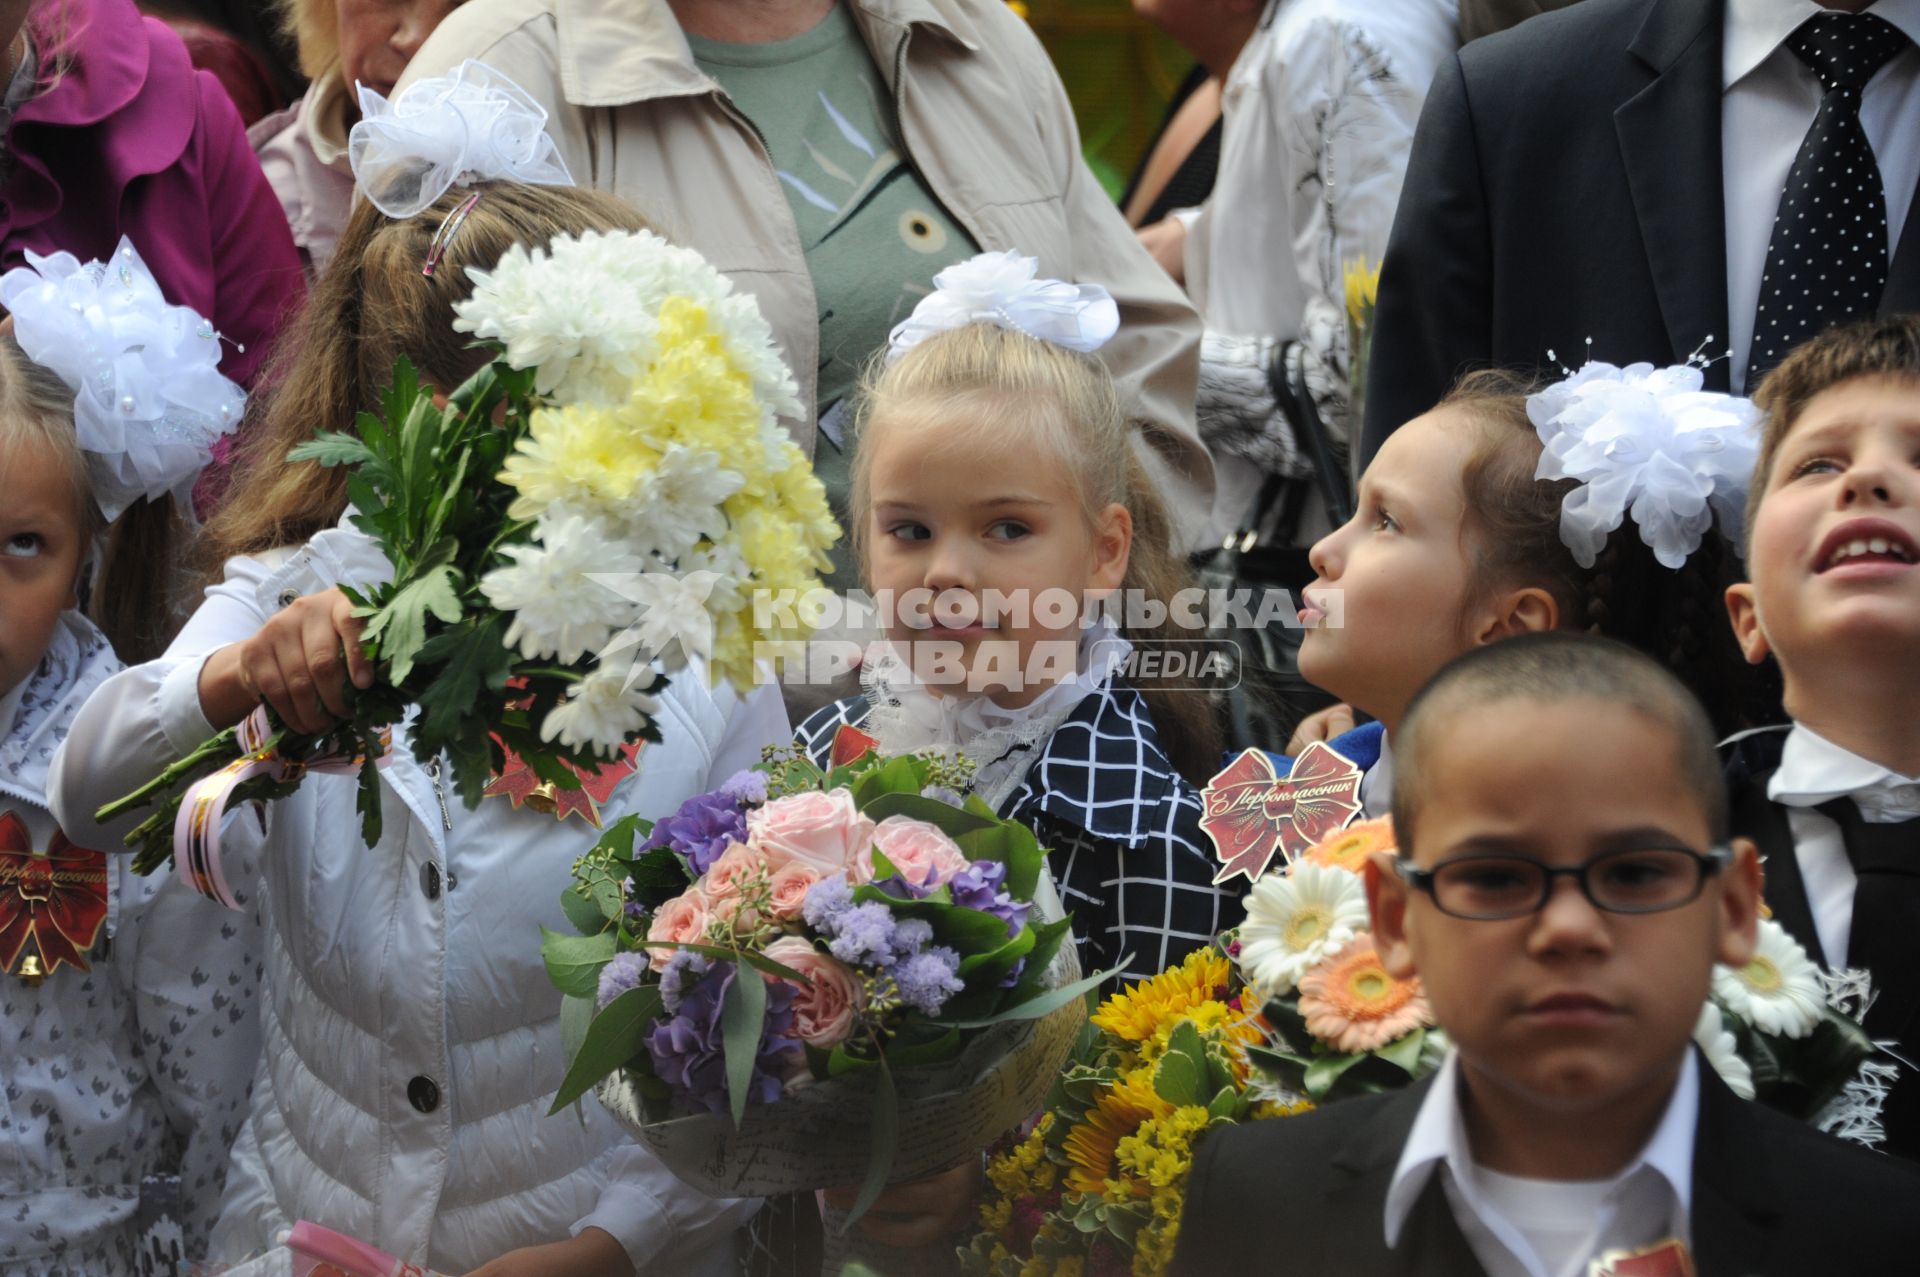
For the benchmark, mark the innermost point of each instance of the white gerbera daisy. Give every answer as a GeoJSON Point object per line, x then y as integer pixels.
{"type": "Point", "coordinates": [1294, 920]}
{"type": "Point", "coordinates": [1779, 991]}
{"type": "Point", "coordinates": [1717, 1043]}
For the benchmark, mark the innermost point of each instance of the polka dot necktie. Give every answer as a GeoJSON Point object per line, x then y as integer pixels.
{"type": "Point", "coordinates": [1827, 258]}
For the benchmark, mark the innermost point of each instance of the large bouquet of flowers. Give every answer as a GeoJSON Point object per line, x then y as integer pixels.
{"type": "Point", "coordinates": [767, 979]}
{"type": "Point", "coordinates": [613, 481]}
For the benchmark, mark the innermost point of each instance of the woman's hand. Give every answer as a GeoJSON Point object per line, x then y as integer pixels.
{"type": "Point", "coordinates": [1321, 725]}
{"type": "Point", "coordinates": [300, 663]}
{"type": "Point", "coordinates": [1166, 239]}
{"type": "Point", "coordinates": [919, 1212]}
{"type": "Point", "coordinates": [594, 1253]}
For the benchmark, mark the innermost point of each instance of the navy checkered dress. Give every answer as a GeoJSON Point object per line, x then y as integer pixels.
{"type": "Point", "coordinates": [1122, 829]}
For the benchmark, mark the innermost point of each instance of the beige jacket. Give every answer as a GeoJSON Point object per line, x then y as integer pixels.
{"type": "Point", "coordinates": [983, 117]}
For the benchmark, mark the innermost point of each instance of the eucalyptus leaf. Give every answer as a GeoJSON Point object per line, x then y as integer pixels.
{"type": "Point", "coordinates": [743, 1018]}
{"type": "Point", "coordinates": [1039, 1007]}
{"type": "Point", "coordinates": [574, 962]}
{"type": "Point", "coordinates": [616, 1035]}
{"type": "Point", "coordinates": [884, 1139]}
{"type": "Point", "coordinates": [583, 913]}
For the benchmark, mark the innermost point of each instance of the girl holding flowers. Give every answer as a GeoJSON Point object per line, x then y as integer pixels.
{"type": "Point", "coordinates": [994, 476]}
{"type": "Point", "coordinates": [413, 1042]}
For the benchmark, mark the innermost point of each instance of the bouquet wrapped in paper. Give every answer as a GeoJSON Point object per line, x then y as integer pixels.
{"type": "Point", "coordinates": [593, 507]}
{"type": "Point", "coordinates": [813, 979]}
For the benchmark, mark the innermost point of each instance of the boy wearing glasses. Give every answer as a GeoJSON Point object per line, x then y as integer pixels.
{"type": "Point", "coordinates": [1563, 890]}
{"type": "Point", "coordinates": [1833, 531]}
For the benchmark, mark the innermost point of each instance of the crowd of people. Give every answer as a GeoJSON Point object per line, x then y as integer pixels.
{"type": "Point", "coordinates": [1602, 515]}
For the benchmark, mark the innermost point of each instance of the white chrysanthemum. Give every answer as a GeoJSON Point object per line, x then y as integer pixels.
{"type": "Point", "coordinates": [604, 710]}
{"type": "Point", "coordinates": [1717, 1043]}
{"type": "Point", "coordinates": [584, 308]}
{"type": "Point", "coordinates": [558, 609]}
{"type": "Point", "coordinates": [678, 502]}
{"type": "Point", "coordinates": [1296, 919]}
{"type": "Point", "coordinates": [1779, 991]}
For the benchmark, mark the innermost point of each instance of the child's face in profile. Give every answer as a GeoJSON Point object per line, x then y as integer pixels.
{"type": "Point", "coordinates": [987, 552]}
{"type": "Point", "coordinates": [1570, 1007]}
{"type": "Point", "coordinates": [1385, 610]}
{"type": "Point", "coordinates": [1835, 553]}
{"type": "Point", "coordinates": [41, 547]}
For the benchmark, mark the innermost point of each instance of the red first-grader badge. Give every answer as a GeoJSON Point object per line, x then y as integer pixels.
{"type": "Point", "coordinates": [1251, 811]}
{"type": "Point", "coordinates": [56, 898]}
{"type": "Point", "coordinates": [1668, 1259]}
{"type": "Point", "coordinates": [520, 785]}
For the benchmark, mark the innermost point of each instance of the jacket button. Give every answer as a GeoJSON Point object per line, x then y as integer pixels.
{"type": "Point", "coordinates": [424, 1094]}
{"type": "Point", "coordinates": [430, 880]}
{"type": "Point", "coordinates": [288, 598]}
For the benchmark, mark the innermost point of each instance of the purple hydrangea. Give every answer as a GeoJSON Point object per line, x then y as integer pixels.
{"type": "Point", "coordinates": [979, 886]}
{"type": "Point", "coordinates": [621, 974]}
{"type": "Point", "coordinates": [684, 966]}
{"type": "Point", "coordinates": [688, 1049]}
{"type": "Point", "coordinates": [748, 788]}
{"type": "Point", "coordinates": [701, 829]}
{"type": "Point", "coordinates": [928, 978]}
{"type": "Point", "coordinates": [900, 889]}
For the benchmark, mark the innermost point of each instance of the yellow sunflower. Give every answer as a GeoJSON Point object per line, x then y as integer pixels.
{"type": "Point", "coordinates": [1137, 1012]}
{"type": "Point", "coordinates": [1117, 1114]}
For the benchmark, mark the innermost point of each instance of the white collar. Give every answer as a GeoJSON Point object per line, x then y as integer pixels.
{"type": "Point", "coordinates": [1376, 787]}
{"type": "Point", "coordinates": [1439, 1137]}
{"type": "Point", "coordinates": [1813, 769]}
{"type": "Point", "coordinates": [1755, 28]}
{"type": "Point", "coordinates": [907, 716]}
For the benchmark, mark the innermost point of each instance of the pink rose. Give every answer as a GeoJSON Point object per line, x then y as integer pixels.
{"type": "Point", "coordinates": [820, 828]}
{"type": "Point", "coordinates": [682, 920]}
{"type": "Point", "coordinates": [729, 874]}
{"type": "Point", "coordinates": [924, 855]}
{"type": "Point", "coordinates": [825, 1008]}
{"type": "Point", "coordinates": [791, 882]}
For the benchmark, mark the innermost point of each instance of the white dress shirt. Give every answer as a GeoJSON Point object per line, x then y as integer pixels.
{"type": "Point", "coordinates": [1376, 786]}
{"type": "Point", "coordinates": [1812, 770]}
{"type": "Point", "coordinates": [1523, 1227]}
{"type": "Point", "coordinates": [1768, 103]}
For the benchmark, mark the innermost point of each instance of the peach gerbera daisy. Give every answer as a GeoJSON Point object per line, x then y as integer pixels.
{"type": "Point", "coordinates": [1352, 1004]}
{"type": "Point", "coordinates": [1349, 848]}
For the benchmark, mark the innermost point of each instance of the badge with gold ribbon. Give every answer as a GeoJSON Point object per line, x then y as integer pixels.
{"type": "Point", "coordinates": [1663, 1259]}
{"type": "Point", "coordinates": [1251, 812]}
{"type": "Point", "coordinates": [54, 899]}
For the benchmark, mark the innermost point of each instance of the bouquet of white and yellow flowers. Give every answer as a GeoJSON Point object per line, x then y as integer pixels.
{"type": "Point", "coordinates": [586, 513]}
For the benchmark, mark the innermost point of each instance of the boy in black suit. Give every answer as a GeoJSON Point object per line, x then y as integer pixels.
{"type": "Point", "coordinates": [1833, 535]}
{"type": "Point", "coordinates": [1563, 889]}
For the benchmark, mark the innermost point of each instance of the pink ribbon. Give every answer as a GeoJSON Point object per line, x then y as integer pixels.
{"type": "Point", "coordinates": [203, 809]}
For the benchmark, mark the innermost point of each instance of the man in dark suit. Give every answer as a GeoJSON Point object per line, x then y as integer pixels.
{"type": "Point", "coordinates": [1639, 173]}
{"type": "Point", "coordinates": [1563, 890]}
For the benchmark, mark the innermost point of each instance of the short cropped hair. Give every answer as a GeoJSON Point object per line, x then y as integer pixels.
{"type": "Point", "coordinates": [1548, 669]}
{"type": "Point", "coordinates": [1888, 347]}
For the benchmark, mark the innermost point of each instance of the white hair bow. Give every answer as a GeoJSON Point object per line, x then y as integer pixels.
{"type": "Point", "coordinates": [473, 125]}
{"type": "Point", "coordinates": [149, 400]}
{"type": "Point", "coordinates": [1001, 289]}
{"type": "Point", "coordinates": [1650, 442]}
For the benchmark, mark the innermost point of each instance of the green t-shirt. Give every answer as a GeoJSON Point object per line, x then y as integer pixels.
{"type": "Point", "coordinates": [873, 234]}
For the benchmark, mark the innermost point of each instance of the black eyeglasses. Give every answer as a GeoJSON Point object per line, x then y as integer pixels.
{"type": "Point", "coordinates": [1487, 888]}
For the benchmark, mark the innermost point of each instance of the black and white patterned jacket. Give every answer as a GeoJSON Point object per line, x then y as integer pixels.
{"type": "Point", "coordinates": [1122, 829]}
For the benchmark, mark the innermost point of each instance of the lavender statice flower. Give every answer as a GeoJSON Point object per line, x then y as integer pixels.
{"type": "Point", "coordinates": [941, 794]}
{"type": "Point", "coordinates": [701, 829]}
{"type": "Point", "coordinates": [689, 1052]}
{"type": "Point", "coordinates": [683, 968]}
{"type": "Point", "coordinates": [621, 974]}
{"type": "Point", "coordinates": [826, 901]}
{"type": "Point", "coordinates": [862, 935]}
{"type": "Point", "coordinates": [978, 886]}
{"type": "Point", "coordinates": [927, 979]}
{"type": "Point", "coordinates": [748, 788]}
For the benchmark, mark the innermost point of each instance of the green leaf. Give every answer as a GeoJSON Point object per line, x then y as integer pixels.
{"type": "Point", "coordinates": [884, 1138]}
{"type": "Point", "coordinates": [583, 913]}
{"type": "Point", "coordinates": [1224, 1105]}
{"type": "Point", "coordinates": [950, 821]}
{"type": "Point", "coordinates": [1325, 1071]}
{"type": "Point", "coordinates": [575, 1015]}
{"type": "Point", "coordinates": [658, 876]}
{"type": "Point", "coordinates": [1047, 939]}
{"type": "Point", "coordinates": [743, 1017]}
{"type": "Point", "coordinates": [1404, 1052]}
{"type": "Point", "coordinates": [757, 961]}
{"type": "Point", "coordinates": [1176, 1079]}
{"type": "Point", "coordinates": [573, 962]}
{"type": "Point", "coordinates": [616, 1035]}
{"type": "Point", "coordinates": [330, 448]}
{"type": "Point", "coordinates": [1038, 1007]}
{"type": "Point", "coordinates": [400, 627]}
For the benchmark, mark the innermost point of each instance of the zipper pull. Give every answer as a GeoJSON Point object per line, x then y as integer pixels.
{"type": "Point", "coordinates": [446, 817]}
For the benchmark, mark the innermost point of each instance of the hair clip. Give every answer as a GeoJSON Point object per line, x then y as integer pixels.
{"type": "Point", "coordinates": [449, 227]}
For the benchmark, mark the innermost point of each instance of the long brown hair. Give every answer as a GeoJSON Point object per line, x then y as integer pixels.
{"type": "Point", "coordinates": [371, 307]}
{"type": "Point", "coordinates": [133, 561]}
{"type": "Point", "coordinates": [1064, 405]}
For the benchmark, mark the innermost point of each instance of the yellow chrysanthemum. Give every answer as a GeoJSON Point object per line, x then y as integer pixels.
{"type": "Point", "coordinates": [580, 454]}
{"type": "Point", "coordinates": [1137, 1012]}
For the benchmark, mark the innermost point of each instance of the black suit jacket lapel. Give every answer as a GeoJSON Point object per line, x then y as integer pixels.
{"type": "Point", "coordinates": [1735, 1199]}
{"type": "Point", "coordinates": [1670, 143]}
{"type": "Point", "coordinates": [1353, 1223]}
{"type": "Point", "coordinates": [1903, 273]}
{"type": "Point", "coordinates": [1760, 818]}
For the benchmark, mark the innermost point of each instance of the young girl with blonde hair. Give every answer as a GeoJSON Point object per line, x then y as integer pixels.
{"type": "Point", "coordinates": [413, 1043]}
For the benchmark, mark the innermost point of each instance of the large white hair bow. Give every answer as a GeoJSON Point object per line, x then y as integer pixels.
{"type": "Point", "coordinates": [149, 400]}
{"type": "Point", "coordinates": [1650, 442]}
{"type": "Point", "coordinates": [471, 126]}
{"type": "Point", "coordinates": [1001, 288]}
